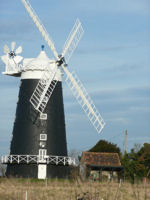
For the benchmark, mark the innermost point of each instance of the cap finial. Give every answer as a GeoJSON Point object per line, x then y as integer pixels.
{"type": "Point", "coordinates": [42, 47]}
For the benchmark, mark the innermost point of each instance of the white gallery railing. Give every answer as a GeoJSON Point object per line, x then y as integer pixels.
{"type": "Point", "coordinates": [37, 159]}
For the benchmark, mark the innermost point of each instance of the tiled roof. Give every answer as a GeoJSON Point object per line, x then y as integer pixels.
{"type": "Point", "coordinates": [101, 159]}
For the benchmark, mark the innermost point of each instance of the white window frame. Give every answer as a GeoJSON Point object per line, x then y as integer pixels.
{"type": "Point", "coordinates": [43, 116]}
{"type": "Point", "coordinates": [43, 135]}
{"type": "Point", "coordinates": [42, 155]}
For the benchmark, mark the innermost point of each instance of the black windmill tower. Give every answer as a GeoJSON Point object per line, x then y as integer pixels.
{"type": "Point", "coordinates": [38, 147]}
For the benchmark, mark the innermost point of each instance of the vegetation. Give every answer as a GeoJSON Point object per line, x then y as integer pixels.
{"type": "Point", "coordinates": [137, 162]}
{"type": "Point", "coordinates": [105, 146]}
{"type": "Point", "coordinates": [33, 189]}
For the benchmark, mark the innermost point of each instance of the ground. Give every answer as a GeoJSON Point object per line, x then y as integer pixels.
{"type": "Point", "coordinates": [32, 189]}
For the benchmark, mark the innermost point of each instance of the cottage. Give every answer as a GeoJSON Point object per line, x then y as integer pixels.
{"type": "Point", "coordinates": [100, 163]}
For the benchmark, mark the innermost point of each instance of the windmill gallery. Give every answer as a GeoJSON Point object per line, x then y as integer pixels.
{"type": "Point", "coordinates": [38, 146]}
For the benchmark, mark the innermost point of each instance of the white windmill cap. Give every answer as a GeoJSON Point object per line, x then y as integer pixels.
{"type": "Point", "coordinates": [38, 63]}
{"type": "Point", "coordinates": [33, 68]}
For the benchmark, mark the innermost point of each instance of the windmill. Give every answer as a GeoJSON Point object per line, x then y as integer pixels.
{"type": "Point", "coordinates": [38, 146]}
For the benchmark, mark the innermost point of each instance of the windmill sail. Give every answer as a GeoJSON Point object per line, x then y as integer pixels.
{"type": "Point", "coordinates": [18, 50]}
{"type": "Point", "coordinates": [13, 44]}
{"type": "Point", "coordinates": [40, 26]}
{"type": "Point", "coordinates": [44, 89]}
{"type": "Point", "coordinates": [6, 49]}
{"type": "Point", "coordinates": [84, 100]}
{"type": "Point", "coordinates": [73, 40]}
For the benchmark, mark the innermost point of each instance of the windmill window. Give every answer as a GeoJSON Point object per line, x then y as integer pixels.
{"type": "Point", "coordinates": [43, 116]}
{"type": "Point", "coordinates": [42, 144]}
{"type": "Point", "coordinates": [43, 137]}
{"type": "Point", "coordinates": [42, 154]}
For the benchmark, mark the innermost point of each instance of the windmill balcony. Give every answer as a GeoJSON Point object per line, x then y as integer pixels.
{"type": "Point", "coordinates": [36, 159]}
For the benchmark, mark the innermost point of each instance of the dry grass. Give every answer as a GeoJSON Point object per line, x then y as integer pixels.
{"type": "Point", "coordinates": [28, 189]}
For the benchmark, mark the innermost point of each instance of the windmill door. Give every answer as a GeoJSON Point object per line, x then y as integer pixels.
{"type": "Point", "coordinates": [42, 167]}
{"type": "Point", "coordinates": [42, 171]}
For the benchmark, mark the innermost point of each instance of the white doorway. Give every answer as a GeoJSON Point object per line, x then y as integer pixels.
{"type": "Point", "coordinates": [42, 171]}
{"type": "Point", "coordinates": [42, 167]}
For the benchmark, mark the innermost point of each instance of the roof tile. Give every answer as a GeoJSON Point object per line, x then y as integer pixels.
{"type": "Point", "coordinates": [101, 159]}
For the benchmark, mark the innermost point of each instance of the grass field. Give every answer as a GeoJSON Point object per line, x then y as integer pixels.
{"type": "Point", "coordinates": [31, 189]}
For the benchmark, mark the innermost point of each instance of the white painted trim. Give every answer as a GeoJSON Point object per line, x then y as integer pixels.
{"type": "Point", "coordinates": [37, 74]}
{"type": "Point", "coordinates": [43, 137]}
{"type": "Point", "coordinates": [42, 155]}
{"type": "Point", "coordinates": [42, 171]}
{"type": "Point", "coordinates": [43, 116]}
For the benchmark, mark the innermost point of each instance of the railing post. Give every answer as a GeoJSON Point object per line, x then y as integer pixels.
{"type": "Point", "coordinates": [6, 159]}
{"type": "Point", "coordinates": [64, 160]}
{"type": "Point", "coordinates": [11, 159]}
{"type": "Point", "coordinates": [69, 161]}
{"type": "Point", "coordinates": [56, 160]}
{"type": "Point", "coordinates": [38, 157]}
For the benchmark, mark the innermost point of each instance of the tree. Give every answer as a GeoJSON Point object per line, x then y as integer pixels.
{"type": "Point", "coordinates": [144, 160]}
{"type": "Point", "coordinates": [137, 162]}
{"type": "Point", "coordinates": [105, 146]}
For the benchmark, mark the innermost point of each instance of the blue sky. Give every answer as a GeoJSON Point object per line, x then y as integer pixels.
{"type": "Point", "coordinates": [112, 60]}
